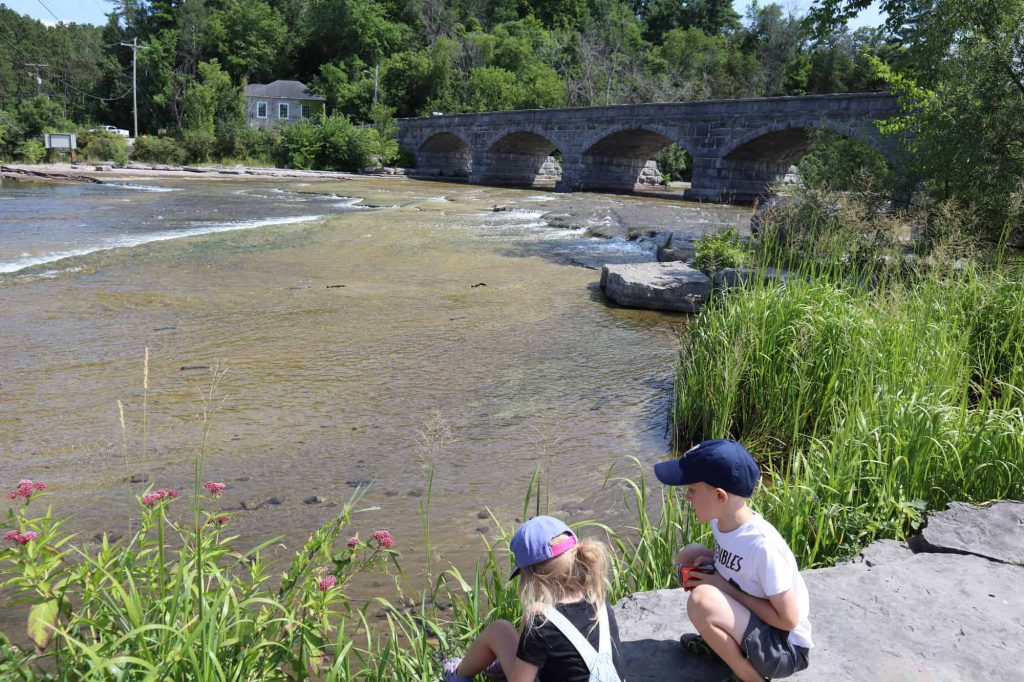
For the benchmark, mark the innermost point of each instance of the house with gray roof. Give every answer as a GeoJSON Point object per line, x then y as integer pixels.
{"type": "Point", "coordinates": [280, 102]}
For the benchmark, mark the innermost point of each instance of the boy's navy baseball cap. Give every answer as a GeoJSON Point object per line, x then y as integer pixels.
{"type": "Point", "coordinates": [531, 543]}
{"type": "Point", "coordinates": [721, 464]}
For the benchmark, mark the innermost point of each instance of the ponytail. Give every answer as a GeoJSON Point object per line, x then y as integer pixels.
{"type": "Point", "coordinates": [581, 570]}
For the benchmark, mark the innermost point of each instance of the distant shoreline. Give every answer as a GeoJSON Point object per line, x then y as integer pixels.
{"type": "Point", "coordinates": [87, 172]}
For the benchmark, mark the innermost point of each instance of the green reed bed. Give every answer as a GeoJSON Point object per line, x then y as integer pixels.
{"type": "Point", "coordinates": [867, 404]}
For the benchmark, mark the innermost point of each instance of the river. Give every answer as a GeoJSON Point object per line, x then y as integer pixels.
{"type": "Point", "coordinates": [366, 332]}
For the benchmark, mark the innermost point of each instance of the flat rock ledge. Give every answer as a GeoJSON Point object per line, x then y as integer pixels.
{"type": "Point", "coordinates": [658, 286]}
{"type": "Point", "coordinates": [947, 606]}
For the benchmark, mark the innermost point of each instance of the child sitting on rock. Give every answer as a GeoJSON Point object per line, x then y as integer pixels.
{"type": "Point", "coordinates": [568, 633]}
{"type": "Point", "coordinates": [752, 611]}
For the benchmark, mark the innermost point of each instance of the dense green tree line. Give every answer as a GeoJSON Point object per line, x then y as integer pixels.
{"type": "Point", "coordinates": [446, 55]}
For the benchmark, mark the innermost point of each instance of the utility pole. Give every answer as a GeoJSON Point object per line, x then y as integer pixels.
{"type": "Point", "coordinates": [135, 102]}
{"type": "Point", "coordinates": [376, 78]}
{"type": "Point", "coordinates": [39, 81]}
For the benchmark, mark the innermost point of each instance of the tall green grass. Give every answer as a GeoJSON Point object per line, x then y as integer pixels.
{"type": "Point", "coordinates": [866, 405]}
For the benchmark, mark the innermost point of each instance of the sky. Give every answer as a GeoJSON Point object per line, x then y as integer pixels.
{"type": "Point", "coordinates": [94, 11]}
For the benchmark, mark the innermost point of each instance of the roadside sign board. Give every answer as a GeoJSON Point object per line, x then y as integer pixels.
{"type": "Point", "coordinates": [60, 140]}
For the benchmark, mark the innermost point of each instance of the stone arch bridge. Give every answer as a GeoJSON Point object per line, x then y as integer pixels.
{"type": "Point", "coordinates": [739, 147]}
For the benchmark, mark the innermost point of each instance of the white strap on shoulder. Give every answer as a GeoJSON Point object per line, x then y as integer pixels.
{"type": "Point", "coordinates": [577, 639]}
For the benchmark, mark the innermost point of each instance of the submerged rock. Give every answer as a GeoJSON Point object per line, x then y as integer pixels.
{"type": "Point", "coordinates": [656, 286]}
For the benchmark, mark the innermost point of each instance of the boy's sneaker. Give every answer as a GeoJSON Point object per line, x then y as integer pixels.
{"type": "Point", "coordinates": [449, 671]}
{"type": "Point", "coordinates": [695, 645]}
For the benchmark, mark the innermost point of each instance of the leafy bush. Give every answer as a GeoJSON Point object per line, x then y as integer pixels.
{"type": "Point", "coordinates": [342, 146]}
{"type": "Point", "coordinates": [721, 250]}
{"type": "Point", "coordinates": [159, 150]}
{"type": "Point", "coordinates": [838, 163]}
{"type": "Point", "coordinates": [674, 163]}
{"type": "Point", "coordinates": [298, 146]}
{"type": "Point", "coordinates": [101, 145]}
{"type": "Point", "coordinates": [198, 144]}
{"type": "Point", "coordinates": [30, 151]}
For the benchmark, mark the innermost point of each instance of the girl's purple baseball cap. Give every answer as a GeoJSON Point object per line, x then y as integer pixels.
{"type": "Point", "coordinates": [531, 543]}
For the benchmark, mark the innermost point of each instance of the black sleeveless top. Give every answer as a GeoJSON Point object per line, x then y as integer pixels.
{"type": "Point", "coordinates": [547, 648]}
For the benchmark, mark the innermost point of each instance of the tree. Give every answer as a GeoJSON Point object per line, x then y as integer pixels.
{"type": "Point", "coordinates": [250, 39]}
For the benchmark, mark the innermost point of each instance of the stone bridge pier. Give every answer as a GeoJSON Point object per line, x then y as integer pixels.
{"type": "Point", "coordinates": [739, 148]}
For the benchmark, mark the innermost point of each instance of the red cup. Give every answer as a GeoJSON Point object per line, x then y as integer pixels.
{"type": "Point", "coordinates": [686, 572]}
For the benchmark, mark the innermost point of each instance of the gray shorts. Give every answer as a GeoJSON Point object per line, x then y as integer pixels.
{"type": "Point", "coordinates": [769, 650]}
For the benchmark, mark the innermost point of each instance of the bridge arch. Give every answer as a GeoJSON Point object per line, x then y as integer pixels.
{"type": "Point", "coordinates": [622, 159]}
{"type": "Point", "coordinates": [519, 157]}
{"type": "Point", "coordinates": [444, 154]}
{"type": "Point", "coordinates": [760, 158]}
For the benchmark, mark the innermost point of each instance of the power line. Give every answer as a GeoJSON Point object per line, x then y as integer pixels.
{"type": "Point", "coordinates": [69, 85]}
{"type": "Point", "coordinates": [51, 12]}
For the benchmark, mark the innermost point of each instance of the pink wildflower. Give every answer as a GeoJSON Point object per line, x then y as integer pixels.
{"type": "Point", "coordinates": [219, 520]}
{"type": "Point", "coordinates": [25, 489]}
{"type": "Point", "coordinates": [353, 542]}
{"type": "Point", "coordinates": [216, 488]}
{"type": "Point", "coordinates": [21, 538]}
{"type": "Point", "coordinates": [327, 583]}
{"type": "Point", "coordinates": [384, 539]}
{"type": "Point", "coordinates": [149, 499]}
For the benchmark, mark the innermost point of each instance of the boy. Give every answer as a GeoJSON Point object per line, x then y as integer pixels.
{"type": "Point", "coordinates": [752, 611]}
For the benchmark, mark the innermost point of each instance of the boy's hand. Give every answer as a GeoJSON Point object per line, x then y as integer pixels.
{"type": "Point", "coordinates": [713, 579]}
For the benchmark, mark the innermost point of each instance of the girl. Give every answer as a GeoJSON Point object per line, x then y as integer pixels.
{"type": "Point", "coordinates": [568, 633]}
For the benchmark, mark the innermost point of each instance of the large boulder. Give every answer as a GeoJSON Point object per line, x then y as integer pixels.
{"type": "Point", "coordinates": [657, 286]}
{"type": "Point", "coordinates": [949, 609]}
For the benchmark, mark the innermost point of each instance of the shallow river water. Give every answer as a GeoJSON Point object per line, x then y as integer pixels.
{"type": "Point", "coordinates": [362, 347]}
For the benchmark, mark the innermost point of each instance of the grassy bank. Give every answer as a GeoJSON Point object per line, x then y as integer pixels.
{"type": "Point", "coordinates": [869, 398]}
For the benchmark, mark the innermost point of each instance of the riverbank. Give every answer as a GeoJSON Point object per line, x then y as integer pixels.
{"type": "Point", "coordinates": [98, 172]}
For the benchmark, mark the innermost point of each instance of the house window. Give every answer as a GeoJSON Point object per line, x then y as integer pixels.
{"type": "Point", "coordinates": [261, 109]}
{"type": "Point", "coordinates": [282, 110]}
{"type": "Point", "coordinates": [305, 111]}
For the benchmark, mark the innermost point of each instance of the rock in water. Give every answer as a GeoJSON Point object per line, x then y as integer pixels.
{"type": "Point", "coordinates": [658, 286]}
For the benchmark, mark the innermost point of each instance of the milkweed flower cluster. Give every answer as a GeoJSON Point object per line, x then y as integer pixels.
{"type": "Point", "coordinates": [218, 520]}
{"type": "Point", "coordinates": [327, 583]}
{"type": "Point", "coordinates": [149, 499]}
{"type": "Point", "coordinates": [217, 489]}
{"type": "Point", "coordinates": [384, 539]}
{"type": "Point", "coordinates": [353, 542]}
{"type": "Point", "coordinates": [21, 538]}
{"type": "Point", "coordinates": [25, 489]}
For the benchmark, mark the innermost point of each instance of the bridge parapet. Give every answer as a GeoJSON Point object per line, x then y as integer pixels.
{"type": "Point", "coordinates": [739, 147]}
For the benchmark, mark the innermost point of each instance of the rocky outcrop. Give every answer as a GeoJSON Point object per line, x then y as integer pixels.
{"type": "Point", "coordinates": [948, 607]}
{"type": "Point", "coordinates": [657, 286]}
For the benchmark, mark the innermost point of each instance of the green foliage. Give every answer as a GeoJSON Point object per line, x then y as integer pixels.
{"type": "Point", "coordinates": [179, 590]}
{"type": "Point", "coordinates": [159, 150]}
{"type": "Point", "coordinates": [859, 424]}
{"type": "Point", "coordinates": [385, 129]}
{"type": "Point", "coordinates": [299, 145]}
{"type": "Point", "coordinates": [104, 146]}
{"type": "Point", "coordinates": [675, 163]}
{"type": "Point", "coordinates": [30, 151]}
{"type": "Point", "coordinates": [38, 115]}
{"type": "Point", "coordinates": [837, 163]}
{"type": "Point", "coordinates": [198, 144]}
{"type": "Point", "coordinates": [721, 250]}
{"type": "Point", "coordinates": [342, 146]}
{"type": "Point", "coordinates": [251, 35]}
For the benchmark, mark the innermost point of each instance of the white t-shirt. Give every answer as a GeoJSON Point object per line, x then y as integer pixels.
{"type": "Point", "coordinates": [758, 560]}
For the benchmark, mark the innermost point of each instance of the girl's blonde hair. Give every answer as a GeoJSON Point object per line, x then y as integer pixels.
{"type": "Point", "coordinates": [581, 570]}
